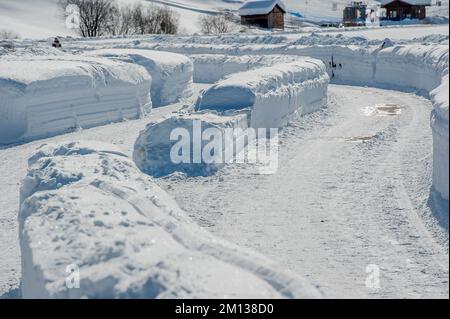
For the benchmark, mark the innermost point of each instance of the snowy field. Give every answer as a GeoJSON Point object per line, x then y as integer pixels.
{"type": "Point", "coordinates": [361, 180]}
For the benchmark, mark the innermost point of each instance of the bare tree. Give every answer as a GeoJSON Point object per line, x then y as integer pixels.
{"type": "Point", "coordinates": [8, 35]}
{"type": "Point", "coordinates": [120, 21]}
{"type": "Point", "coordinates": [105, 17]}
{"type": "Point", "coordinates": [216, 24]}
{"type": "Point", "coordinates": [154, 20]}
{"type": "Point", "coordinates": [166, 21]}
{"type": "Point", "coordinates": [94, 15]}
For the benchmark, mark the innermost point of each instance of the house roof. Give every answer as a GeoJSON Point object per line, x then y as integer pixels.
{"type": "Point", "coordinates": [257, 7]}
{"type": "Point", "coordinates": [411, 2]}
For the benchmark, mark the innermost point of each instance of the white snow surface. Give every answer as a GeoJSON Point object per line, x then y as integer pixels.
{"type": "Point", "coordinates": [440, 126]}
{"type": "Point", "coordinates": [210, 68]}
{"type": "Point", "coordinates": [85, 203]}
{"type": "Point", "coordinates": [47, 95]}
{"type": "Point", "coordinates": [385, 215]}
{"type": "Point", "coordinates": [153, 148]}
{"type": "Point", "coordinates": [275, 94]}
{"type": "Point", "coordinates": [171, 73]}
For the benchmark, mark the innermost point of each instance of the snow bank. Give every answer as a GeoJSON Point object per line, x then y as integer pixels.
{"type": "Point", "coordinates": [210, 68]}
{"type": "Point", "coordinates": [171, 72]}
{"type": "Point", "coordinates": [274, 94]}
{"type": "Point", "coordinates": [267, 97]}
{"type": "Point", "coordinates": [416, 67]}
{"type": "Point", "coordinates": [153, 148]}
{"type": "Point", "coordinates": [440, 126]}
{"type": "Point", "coordinates": [85, 205]}
{"type": "Point", "coordinates": [42, 96]}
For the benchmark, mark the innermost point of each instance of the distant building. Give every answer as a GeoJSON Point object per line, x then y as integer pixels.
{"type": "Point", "coordinates": [263, 13]}
{"type": "Point", "coordinates": [355, 14]}
{"type": "Point", "coordinates": [396, 10]}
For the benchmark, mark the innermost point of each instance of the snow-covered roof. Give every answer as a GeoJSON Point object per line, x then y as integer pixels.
{"type": "Point", "coordinates": [257, 7]}
{"type": "Point", "coordinates": [412, 2]}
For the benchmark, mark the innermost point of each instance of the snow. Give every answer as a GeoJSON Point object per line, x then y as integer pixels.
{"type": "Point", "coordinates": [153, 148]}
{"type": "Point", "coordinates": [43, 19]}
{"type": "Point", "coordinates": [33, 19]}
{"type": "Point", "coordinates": [85, 203]}
{"type": "Point", "coordinates": [439, 124]}
{"type": "Point", "coordinates": [351, 190]}
{"type": "Point", "coordinates": [171, 73]}
{"type": "Point", "coordinates": [353, 187]}
{"type": "Point", "coordinates": [295, 88]}
{"type": "Point", "coordinates": [260, 7]}
{"type": "Point", "coordinates": [47, 95]}
{"type": "Point", "coordinates": [243, 99]}
{"type": "Point", "coordinates": [210, 68]}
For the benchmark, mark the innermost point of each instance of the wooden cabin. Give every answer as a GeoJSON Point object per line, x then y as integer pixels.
{"type": "Point", "coordinates": [397, 10]}
{"type": "Point", "coordinates": [267, 14]}
{"type": "Point", "coordinates": [355, 14]}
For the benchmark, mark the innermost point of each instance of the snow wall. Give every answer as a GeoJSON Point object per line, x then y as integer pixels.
{"type": "Point", "coordinates": [385, 65]}
{"type": "Point", "coordinates": [154, 146]}
{"type": "Point", "coordinates": [90, 219]}
{"type": "Point", "coordinates": [210, 68]}
{"type": "Point", "coordinates": [274, 94]}
{"type": "Point", "coordinates": [171, 73]}
{"type": "Point", "coordinates": [44, 96]}
{"type": "Point", "coordinates": [266, 97]}
{"type": "Point", "coordinates": [440, 126]}
{"type": "Point", "coordinates": [411, 66]}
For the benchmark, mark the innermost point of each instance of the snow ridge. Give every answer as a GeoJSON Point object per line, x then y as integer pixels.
{"type": "Point", "coordinates": [85, 205]}
{"type": "Point", "coordinates": [47, 95]}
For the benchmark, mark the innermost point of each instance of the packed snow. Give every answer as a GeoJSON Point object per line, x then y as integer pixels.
{"type": "Point", "coordinates": [275, 94]}
{"type": "Point", "coordinates": [171, 73]}
{"type": "Point", "coordinates": [47, 95]}
{"type": "Point", "coordinates": [86, 204]}
{"type": "Point", "coordinates": [353, 186]}
{"type": "Point", "coordinates": [439, 123]}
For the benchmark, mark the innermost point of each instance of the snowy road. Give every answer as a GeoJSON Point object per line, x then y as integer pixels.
{"type": "Point", "coordinates": [351, 190]}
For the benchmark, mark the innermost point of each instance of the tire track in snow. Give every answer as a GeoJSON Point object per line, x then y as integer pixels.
{"type": "Point", "coordinates": [336, 206]}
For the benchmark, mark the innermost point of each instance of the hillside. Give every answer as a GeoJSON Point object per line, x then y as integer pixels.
{"type": "Point", "coordinates": [42, 18]}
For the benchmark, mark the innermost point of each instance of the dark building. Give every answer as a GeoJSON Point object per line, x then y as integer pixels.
{"type": "Point", "coordinates": [396, 10]}
{"type": "Point", "coordinates": [263, 13]}
{"type": "Point", "coordinates": [355, 14]}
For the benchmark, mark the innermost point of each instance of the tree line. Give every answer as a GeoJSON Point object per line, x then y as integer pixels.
{"type": "Point", "coordinates": [93, 18]}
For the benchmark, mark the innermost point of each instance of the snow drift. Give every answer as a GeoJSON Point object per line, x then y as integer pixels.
{"type": "Point", "coordinates": [43, 96]}
{"type": "Point", "coordinates": [210, 68]}
{"type": "Point", "coordinates": [274, 94]}
{"type": "Point", "coordinates": [267, 97]}
{"type": "Point", "coordinates": [85, 205]}
{"type": "Point", "coordinates": [440, 126]}
{"type": "Point", "coordinates": [154, 149]}
{"type": "Point", "coordinates": [171, 72]}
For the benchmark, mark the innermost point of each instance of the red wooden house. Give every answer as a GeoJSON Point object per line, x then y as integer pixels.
{"type": "Point", "coordinates": [263, 13]}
